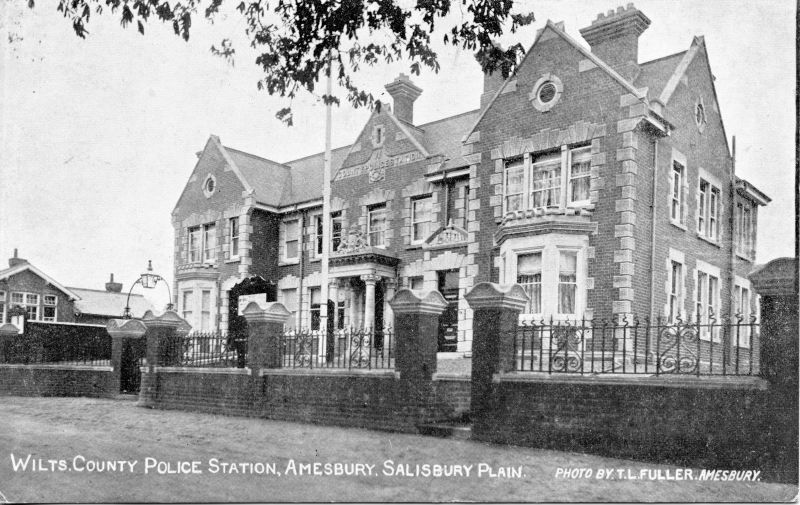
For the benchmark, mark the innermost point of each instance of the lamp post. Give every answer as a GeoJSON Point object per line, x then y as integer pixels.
{"type": "Point", "coordinates": [148, 280]}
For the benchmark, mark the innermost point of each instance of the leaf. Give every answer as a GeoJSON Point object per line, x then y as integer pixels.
{"type": "Point", "coordinates": [140, 26]}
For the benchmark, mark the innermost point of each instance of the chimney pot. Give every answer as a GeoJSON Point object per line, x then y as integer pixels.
{"type": "Point", "coordinates": [16, 260]}
{"type": "Point", "coordinates": [403, 93]}
{"type": "Point", "coordinates": [614, 38]}
{"type": "Point", "coordinates": [113, 287]}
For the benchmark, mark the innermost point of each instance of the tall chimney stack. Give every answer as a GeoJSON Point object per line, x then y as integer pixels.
{"type": "Point", "coordinates": [491, 83]}
{"type": "Point", "coordinates": [614, 38]}
{"type": "Point", "coordinates": [12, 262]}
{"type": "Point", "coordinates": [113, 287]}
{"type": "Point", "coordinates": [404, 93]}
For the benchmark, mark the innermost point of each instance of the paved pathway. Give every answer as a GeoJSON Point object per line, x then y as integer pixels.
{"type": "Point", "coordinates": [66, 438]}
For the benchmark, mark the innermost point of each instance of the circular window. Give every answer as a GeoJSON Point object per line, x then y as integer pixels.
{"type": "Point", "coordinates": [547, 92]}
{"type": "Point", "coordinates": [700, 118]}
{"type": "Point", "coordinates": [209, 185]}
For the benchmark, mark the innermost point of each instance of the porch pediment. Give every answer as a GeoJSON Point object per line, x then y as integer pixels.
{"type": "Point", "coordinates": [447, 237]}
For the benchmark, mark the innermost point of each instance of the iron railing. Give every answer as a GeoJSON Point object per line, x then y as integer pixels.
{"type": "Point", "coordinates": [344, 349]}
{"type": "Point", "coordinates": [61, 344]}
{"type": "Point", "coordinates": [707, 346]}
{"type": "Point", "coordinates": [204, 350]}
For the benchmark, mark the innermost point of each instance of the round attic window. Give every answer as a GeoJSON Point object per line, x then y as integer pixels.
{"type": "Point", "coordinates": [546, 92]}
{"type": "Point", "coordinates": [209, 185]}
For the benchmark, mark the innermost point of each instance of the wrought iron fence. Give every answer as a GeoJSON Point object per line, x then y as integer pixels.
{"type": "Point", "coordinates": [204, 350]}
{"type": "Point", "coordinates": [707, 346]}
{"type": "Point", "coordinates": [345, 349]}
{"type": "Point", "coordinates": [54, 343]}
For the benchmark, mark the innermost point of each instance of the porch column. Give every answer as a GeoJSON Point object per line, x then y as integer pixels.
{"type": "Point", "coordinates": [333, 289]}
{"type": "Point", "coordinates": [388, 312]}
{"type": "Point", "coordinates": [353, 308]}
{"type": "Point", "coordinates": [369, 300]}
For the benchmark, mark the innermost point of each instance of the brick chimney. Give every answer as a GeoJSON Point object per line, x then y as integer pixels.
{"type": "Point", "coordinates": [614, 38]}
{"type": "Point", "coordinates": [12, 262]}
{"type": "Point", "coordinates": [114, 287]}
{"type": "Point", "coordinates": [404, 93]}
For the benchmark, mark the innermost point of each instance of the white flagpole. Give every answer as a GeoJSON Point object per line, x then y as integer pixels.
{"type": "Point", "coordinates": [326, 211]}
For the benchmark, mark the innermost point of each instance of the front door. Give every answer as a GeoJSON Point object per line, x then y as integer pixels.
{"type": "Point", "coordinates": [448, 321]}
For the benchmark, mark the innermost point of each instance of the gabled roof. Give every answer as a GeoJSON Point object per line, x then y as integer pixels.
{"type": "Point", "coordinates": [8, 272]}
{"type": "Point", "coordinates": [108, 303]}
{"type": "Point", "coordinates": [268, 179]}
{"type": "Point", "coordinates": [585, 52]}
{"type": "Point", "coordinates": [680, 69]}
{"type": "Point", "coordinates": [654, 74]}
{"type": "Point", "coordinates": [306, 175]}
{"type": "Point", "coordinates": [444, 135]}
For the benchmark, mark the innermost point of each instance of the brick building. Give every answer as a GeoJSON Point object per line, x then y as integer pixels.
{"type": "Point", "coordinates": [26, 288]}
{"type": "Point", "coordinates": [603, 185]}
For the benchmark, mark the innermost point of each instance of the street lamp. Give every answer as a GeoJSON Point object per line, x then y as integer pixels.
{"type": "Point", "coordinates": [148, 280]}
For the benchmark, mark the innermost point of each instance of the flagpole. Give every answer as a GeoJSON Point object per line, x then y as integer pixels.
{"type": "Point", "coordinates": [326, 211]}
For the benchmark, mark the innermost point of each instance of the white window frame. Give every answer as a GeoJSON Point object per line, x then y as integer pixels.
{"type": "Point", "coordinates": [24, 304]}
{"type": "Point", "coordinates": [709, 206]}
{"type": "Point", "coordinates": [670, 312]}
{"type": "Point", "coordinates": [285, 239]}
{"type": "Point", "coordinates": [234, 233]}
{"type": "Point", "coordinates": [550, 246]}
{"type": "Point", "coordinates": [565, 181]}
{"type": "Point", "coordinates": [209, 253]}
{"type": "Point", "coordinates": [381, 208]}
{"type": "Point", "coordinates": [426, 224]}
{"type": "Point", "coordinates": [677, 196]}
{"type": "Point", "coordinates": [336, 216]}
{"type": "Point", "coordinates": [316, 223]}
{"type": "Point", "coordinates": [707, 298]}
{"type": "Point", "coordinates": [742, 285]}
{"type": "Point", "coordinates": [187, 314]}
{"type": "Point", "coordinates": [46, 305]}
{"type": "Point", "coordinates": [194, 244]}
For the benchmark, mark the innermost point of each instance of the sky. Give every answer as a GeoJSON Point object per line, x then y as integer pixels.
{"type": "Point", "coordinates": [98, 136]}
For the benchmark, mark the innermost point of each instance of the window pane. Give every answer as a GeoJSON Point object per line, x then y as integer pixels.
{"type": "Point", "coordinates": [529, 276]}
{"type": "Point", "coordinates": [194, 244]}
{"type": "Point", "coordinates": [17, 298]}
{"type": "Point", "coordinates": [49, 300]}
{"type": "Point", "coordinates": [318, 227]}
{"type": "Point", "coordinates": [336, 231]}
{"type": "Point", "coordinates": [32, 299]}
{"type": "Point", "coordinates": [515, 184]}
{"type": "Point", "coordinates": [580, 171]}
{"type": "Point", "coordinates": [377, 226]}
{"type": "Point", "coordinates": [210, 241]}
{"type": "Point", "coordinates": [415, 282]}
{"type": "Point", "coordinates": [234, 224]}
{"type": "Point", "coordinates": [421, 218]}
{"type": "Point", "coordinates": [546, 181]}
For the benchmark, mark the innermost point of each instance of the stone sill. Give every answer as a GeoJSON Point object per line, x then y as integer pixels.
{"type": "Point", "coordinates": [675, 381]}
{"type": "Point", "coordinates": [42, 366]}
{"type": "Point", "coordinates": [709, 241]}
{"type": "Point", "coordinates": [283, 263]}
{"type": "Point", "coordinates": [744, 257]}
{"type": "Point", "coordinates": [335, 372]}
{"type": "Point", "coordinates": [678, 225]}
{"type": "Point", "coordinates": [451, 377]}
{"type": "Point", "coordinates": [211, 371]}
{"type": "Point", "coordinates": [237, 259]}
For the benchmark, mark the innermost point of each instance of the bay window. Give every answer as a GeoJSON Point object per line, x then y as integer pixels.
{"type": "Point", "coordinates": [554, 179]}
{"type": "Point", "coordinates": [205, 310]}
{"type": "Point", "coordinates": [529, 276]}
{"type": "Point", "coordinates": [567, 281]}
{"type": "Point", "coordinates": [552, 271]}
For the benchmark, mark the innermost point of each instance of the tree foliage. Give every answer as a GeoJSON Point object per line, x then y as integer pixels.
{"type": "Point", "coordinates": [295, 39]}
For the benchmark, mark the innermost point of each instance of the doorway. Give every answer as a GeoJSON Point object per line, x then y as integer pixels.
{"type": "Point", "coordinates": [448, 321]}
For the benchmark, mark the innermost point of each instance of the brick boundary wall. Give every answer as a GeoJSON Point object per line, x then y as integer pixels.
{"type": "Point", "coordinates": [373, 400]}
{"type": "Point", "coordinates": [57, 380]}
{"type": "Point", "coordinates": [715, 423]}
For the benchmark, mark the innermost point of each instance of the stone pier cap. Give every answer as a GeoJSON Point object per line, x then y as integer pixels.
{"type": "Point", "coordinates": [268, 312]}
{"type": "Point", "coordinates": [127, 328]}
{"type": "Point", "coordinates": [167, 319]}
{"type": "Point", "coordinates": [488, 295]}
{"type": "Point", "coordinates": [407, 301]}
